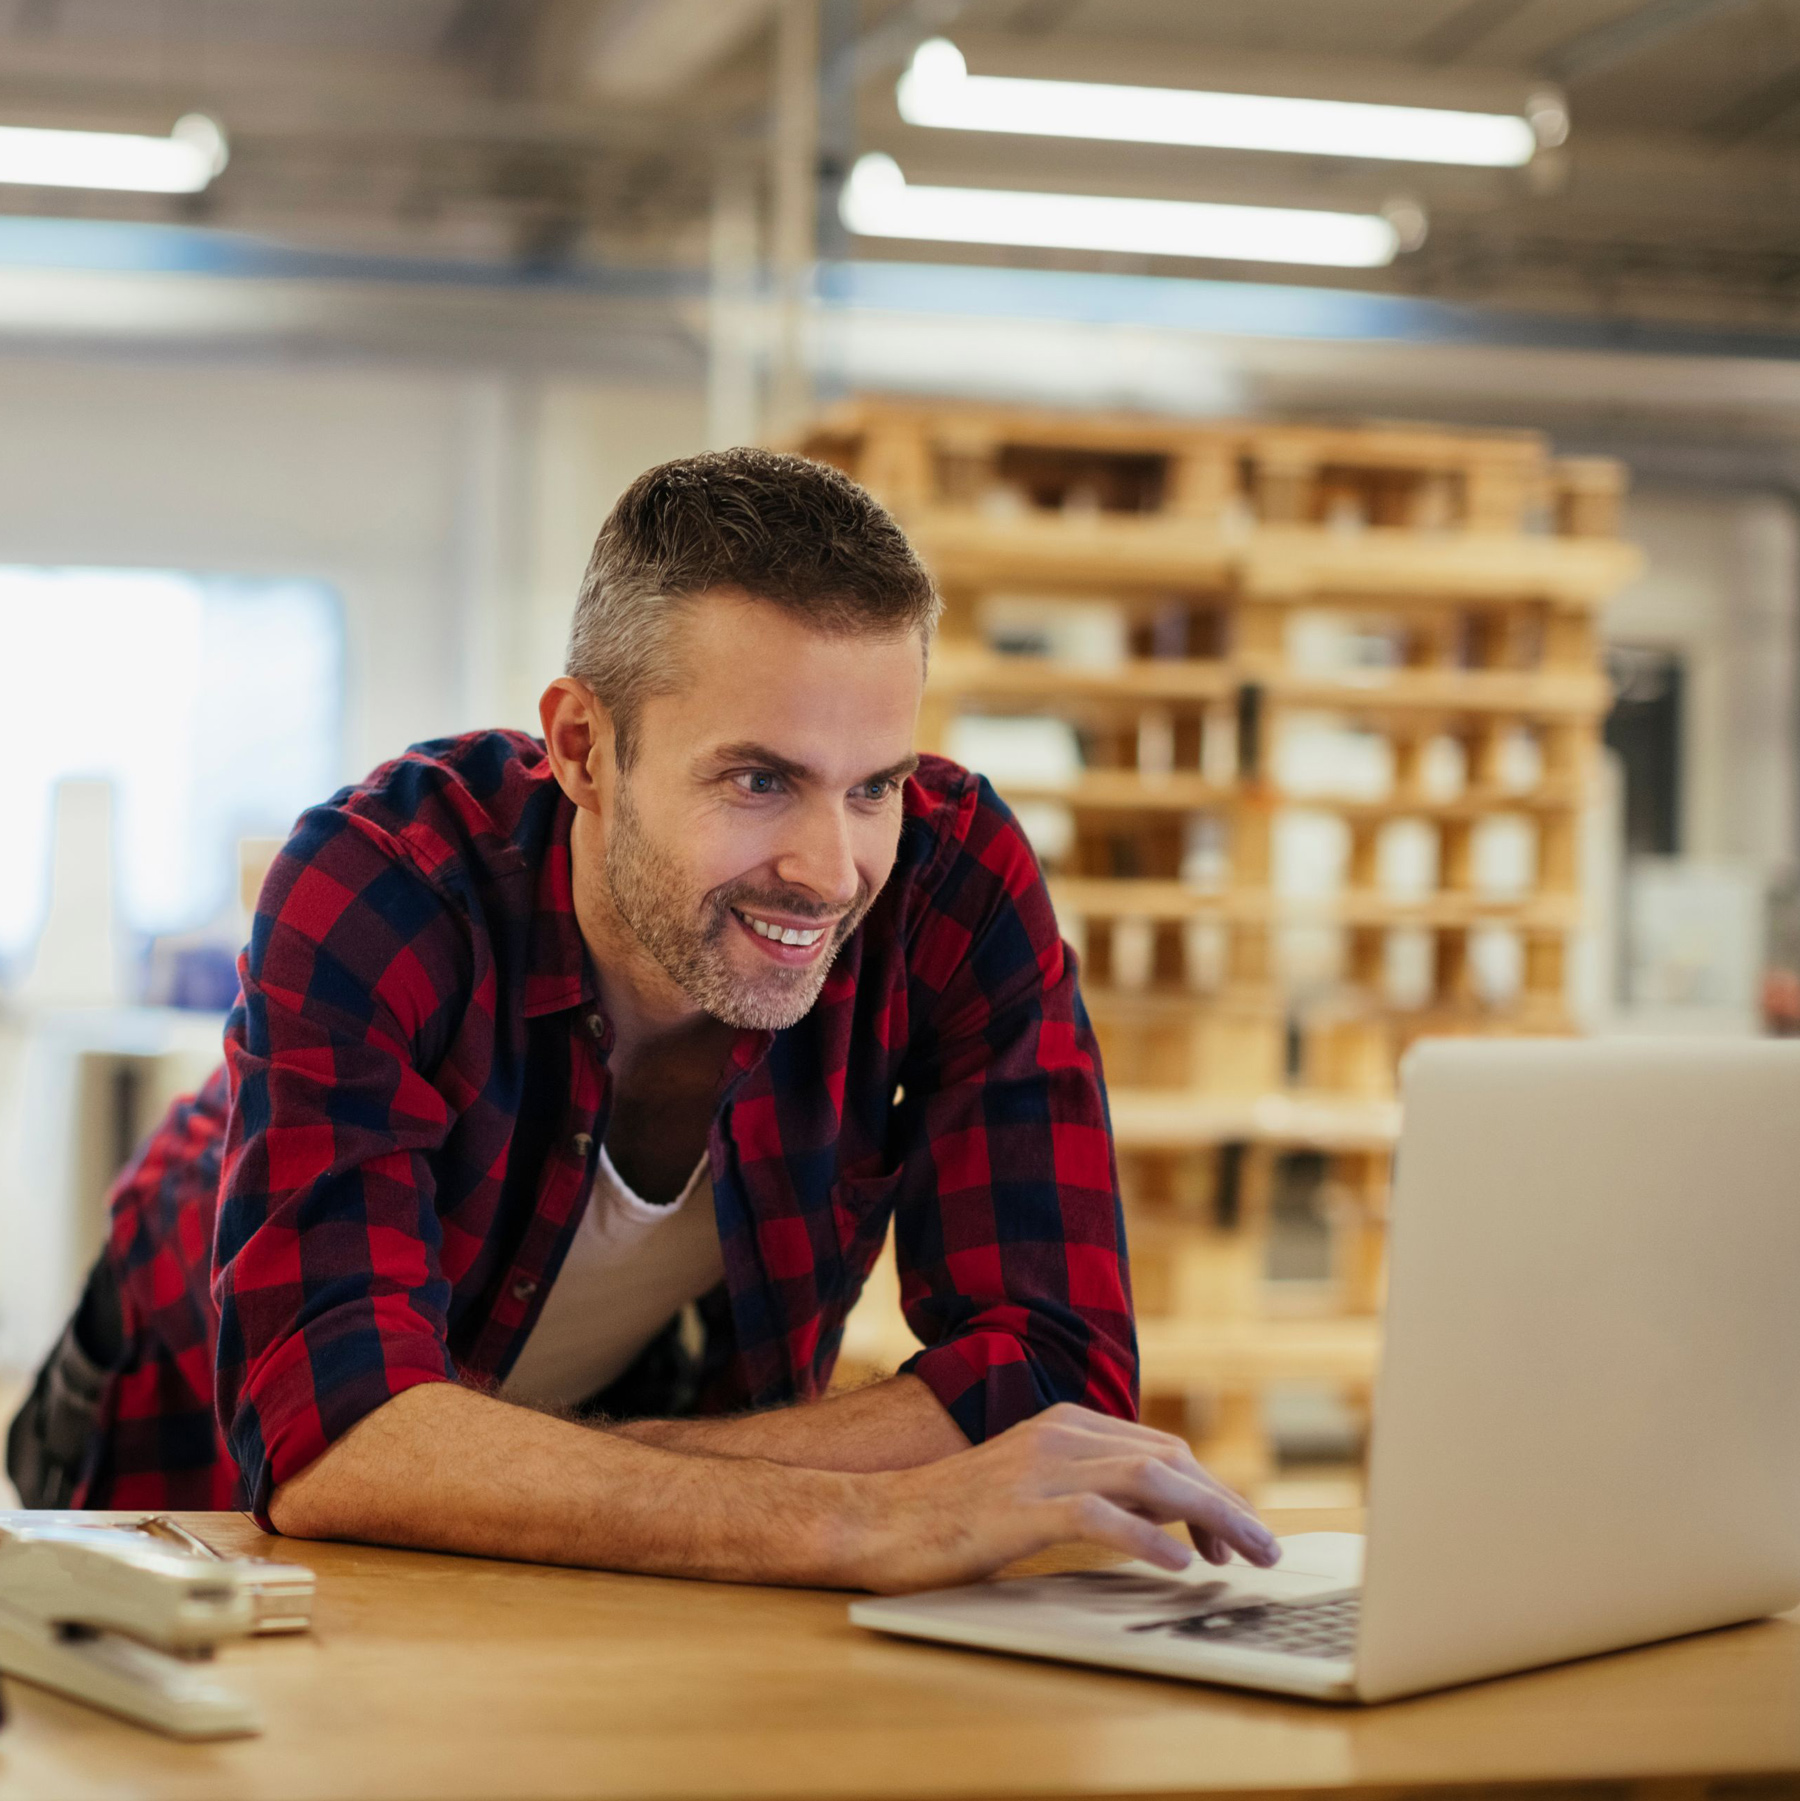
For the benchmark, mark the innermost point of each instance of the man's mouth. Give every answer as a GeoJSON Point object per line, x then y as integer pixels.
{"type": "Point", "coordinates": [785, 942]}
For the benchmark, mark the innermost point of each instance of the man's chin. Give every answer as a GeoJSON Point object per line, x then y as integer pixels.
{"type": "Point", "coordinates": [769, 1007]}
{"type": "Point", "coordinates": [743, 1017]}
{"type": "Point", "coordinates": [770, 1003]}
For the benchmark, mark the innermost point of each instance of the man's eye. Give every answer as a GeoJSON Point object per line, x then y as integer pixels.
{"type": "Point", "coordinates": [877, 790]}
{"type": "Point", "coordinates": [760, 781]}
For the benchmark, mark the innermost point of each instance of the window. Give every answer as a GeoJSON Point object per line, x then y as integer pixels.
{"type": "Point", "coordinates": [212, 706]}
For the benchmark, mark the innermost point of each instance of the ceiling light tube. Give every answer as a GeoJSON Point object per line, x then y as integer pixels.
{"type": "Point", "coordinates": [879, 202]}
{"type": "Point", "coordinates": [182, 163]}
{"type": "Point", "coordinates": [939, 90]}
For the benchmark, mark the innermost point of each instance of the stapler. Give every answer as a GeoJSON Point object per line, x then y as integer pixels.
{"type": "Point", "coordinates": [281, 1594]}
{"type": "Point", "coordinates": [115, 1618]}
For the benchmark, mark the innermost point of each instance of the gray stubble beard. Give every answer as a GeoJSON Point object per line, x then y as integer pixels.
{"type": "Point", "coordinates": [646, 890]}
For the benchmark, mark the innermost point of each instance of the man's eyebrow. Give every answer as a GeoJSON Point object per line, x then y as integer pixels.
{"type": "Point", "coordinates": [896, 772]}
{"type": "Point", "coordinates": [764, 758]}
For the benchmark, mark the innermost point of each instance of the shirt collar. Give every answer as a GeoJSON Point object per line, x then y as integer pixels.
{"type": "Point", "coordinates": [558, 974]}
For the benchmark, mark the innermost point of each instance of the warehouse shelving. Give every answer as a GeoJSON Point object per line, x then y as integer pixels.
{"type": "Point", "coordinates": [1470, 567]}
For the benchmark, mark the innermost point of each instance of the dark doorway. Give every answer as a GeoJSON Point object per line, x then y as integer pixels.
{"type": "Point", "coordinates": [1644, 727]}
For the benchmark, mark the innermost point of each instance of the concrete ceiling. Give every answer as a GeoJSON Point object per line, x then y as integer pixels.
{"type": "Point", "coordinates": [557, 131]}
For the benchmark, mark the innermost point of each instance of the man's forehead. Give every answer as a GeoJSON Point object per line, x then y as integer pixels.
{"type": "Point", "coordinates": [753, 658]}
{"type": "Point", "coordinates": [723, 619]}
{"type": "Point", "coordinates": [752, 677]}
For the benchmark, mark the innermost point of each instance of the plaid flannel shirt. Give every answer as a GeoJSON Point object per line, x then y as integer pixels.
{"type": "Point", "coordinates": [404, 1134]}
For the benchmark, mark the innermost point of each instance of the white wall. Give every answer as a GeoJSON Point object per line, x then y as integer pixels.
{"type": "Point", "coordinates": [453, 513]}
{"type": "Point", "coordinates": [383, 484]}
{"type": "Point", "coordinates": [1722, 586]}
{"type": "Point", "coordinates": [587, 443]}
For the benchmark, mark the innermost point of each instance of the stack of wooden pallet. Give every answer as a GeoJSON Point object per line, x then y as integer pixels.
{"type": "Point", "coordinates": [1330, 697]}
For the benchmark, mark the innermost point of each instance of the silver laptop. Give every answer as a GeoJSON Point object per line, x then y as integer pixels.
{"type": "Point", "coordinates": [1587, 1422]}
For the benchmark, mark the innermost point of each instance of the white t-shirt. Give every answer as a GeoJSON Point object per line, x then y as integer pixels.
{"type": "Point", "coordinates": [632, 1266]}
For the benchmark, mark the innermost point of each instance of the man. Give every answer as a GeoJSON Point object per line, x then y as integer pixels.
{"type": "Point", "coordinates": [573, 1087]}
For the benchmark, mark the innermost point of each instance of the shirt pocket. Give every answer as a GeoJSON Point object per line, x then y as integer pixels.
{"type": "Point", "coordinates": [861, 1207]}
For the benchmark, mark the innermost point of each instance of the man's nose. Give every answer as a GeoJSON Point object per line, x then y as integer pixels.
{"type": "Point", "coordinates": [818, 856]}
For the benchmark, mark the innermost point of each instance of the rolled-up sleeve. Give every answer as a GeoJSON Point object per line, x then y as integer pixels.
{"type": "Point", "coordinates": [1008, 1227]}
{"type": "Point", "coordinates": [326, 1268]}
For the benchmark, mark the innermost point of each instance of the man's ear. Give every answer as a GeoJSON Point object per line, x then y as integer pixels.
{"type": "Point", "coordinates": [578, 734]}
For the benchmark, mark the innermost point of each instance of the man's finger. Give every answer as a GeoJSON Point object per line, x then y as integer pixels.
{"type": "Point", "coordinates": [1087, 1438]}
{"type": "Point", "coordinates": [1095, 1520]}
{"type": "Point", "coordinates": [1195, 1467]}
{"type": "Point", "coordinates": [1148, 1484]}
{"type": "Point", "coordinates": [1211, 1547]}
{"type": "Point", "coordinates": [1172, 1450]}
{"type": "Point", "coordinates": [1188, 1464]}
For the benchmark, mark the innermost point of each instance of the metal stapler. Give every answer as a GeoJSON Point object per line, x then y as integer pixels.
{"type": "Point", "coordinates": [124, 1619]}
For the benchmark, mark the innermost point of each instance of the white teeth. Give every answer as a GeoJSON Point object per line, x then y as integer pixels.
{"type": "Point", "coordinates": [791, 935]}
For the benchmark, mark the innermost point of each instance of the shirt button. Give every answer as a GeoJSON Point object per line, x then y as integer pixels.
{"type": "Point", "coordinates": [595, 1025]}
{"type": "Point", "coordinates": [581, 1144]}
{"type": "Point", "coordinates": [524, 1289]}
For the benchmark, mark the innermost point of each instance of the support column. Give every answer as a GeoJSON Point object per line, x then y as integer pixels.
{"type": "Point", "coordinates": [795, 181]}
{"type": "Point", "coordinates": [734, 347]}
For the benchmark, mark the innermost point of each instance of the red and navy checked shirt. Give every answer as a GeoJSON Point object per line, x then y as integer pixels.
{"type": "Point", "coordinates": [378, 1188]}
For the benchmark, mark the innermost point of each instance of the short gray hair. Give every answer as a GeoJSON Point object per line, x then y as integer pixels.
{"type": "Point", "coordinates": [798, 534]}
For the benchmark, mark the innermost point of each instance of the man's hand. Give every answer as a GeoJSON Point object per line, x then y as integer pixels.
{"type": "Point", "coordinates": [1066, 1476]}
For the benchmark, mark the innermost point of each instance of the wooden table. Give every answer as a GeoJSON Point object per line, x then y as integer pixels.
{"type": "Point", "coordinates": [445, 1678]}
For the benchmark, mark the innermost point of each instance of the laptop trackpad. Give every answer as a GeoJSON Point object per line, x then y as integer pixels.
{"type": "Point", "coordinates": [1139, 1596]}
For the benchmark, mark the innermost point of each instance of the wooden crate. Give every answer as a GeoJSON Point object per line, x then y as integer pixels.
{"type": "Point", "coordinates": [1477, 562]}
{"type": "Point", "coordinates": [1421, 478]}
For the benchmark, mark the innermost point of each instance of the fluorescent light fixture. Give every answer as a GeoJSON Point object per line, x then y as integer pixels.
{"type": "Point", "coordinates": [939, 90]}
{"type": "Point", "coordinates": [182, 163]}
{"type": "Point", "coordinates": [879, 202]}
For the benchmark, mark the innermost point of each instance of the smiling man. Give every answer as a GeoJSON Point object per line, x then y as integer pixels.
{"type": "Point", "coordinates": [573, 1088]}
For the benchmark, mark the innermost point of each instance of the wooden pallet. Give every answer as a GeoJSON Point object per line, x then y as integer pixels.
{"type": "Point", "coordinates": [969, 673]}
{"type": "Point", "coordinates": [1422, 478]}
{"type": "Point", "coordinates": [1476, 563]}
{"type": "Point", "coordinates": [1157, 1119]}
{"type": "Point", "coordinates": [1159, 555]}
{"type": "Point", "coordinates": [14, 1386]}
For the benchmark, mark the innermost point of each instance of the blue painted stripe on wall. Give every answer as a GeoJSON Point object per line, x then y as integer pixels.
{"type": "Point", "coordinates": [1259, 309]}
{"type": "Point", "coordinates": [1230, 308]}
{"type": "Point", "coordinates": [128, 247]}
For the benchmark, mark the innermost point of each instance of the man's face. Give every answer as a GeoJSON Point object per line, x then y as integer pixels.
{"type": "Point", "coordinates": [762, 810]}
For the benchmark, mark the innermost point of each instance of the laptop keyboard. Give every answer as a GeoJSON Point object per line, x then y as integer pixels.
{"type": "Point", "coordinates": [1292, 1628]}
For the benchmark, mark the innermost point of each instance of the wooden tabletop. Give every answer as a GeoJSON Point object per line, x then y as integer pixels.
{"type": "Point", "coordinates": [454, 1678]}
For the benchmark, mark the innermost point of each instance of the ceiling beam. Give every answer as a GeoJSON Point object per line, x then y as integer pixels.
{"type": "Point", "coordinates": [1041, 15]}
{"type": "Point", "coordinates": [1460, 31]}
{"type": "Point", "coordinates": [1603, 48]}
{"type": "Point", "coordinates": [1744, 117]}
{"type": "Point", "coordinates": [364, 100]}
{"type": "Point", "coordinates": [653, 49]}
{"type": "Point", "coordinates": [888, 47]}
{"type": "Point", "coordinates": [474, 29]}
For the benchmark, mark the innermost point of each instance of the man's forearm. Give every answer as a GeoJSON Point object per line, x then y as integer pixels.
{"type": "Point", "coordinates": [443, 1468]}
{"type": "Point", "coordinates": [893, 1425]}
